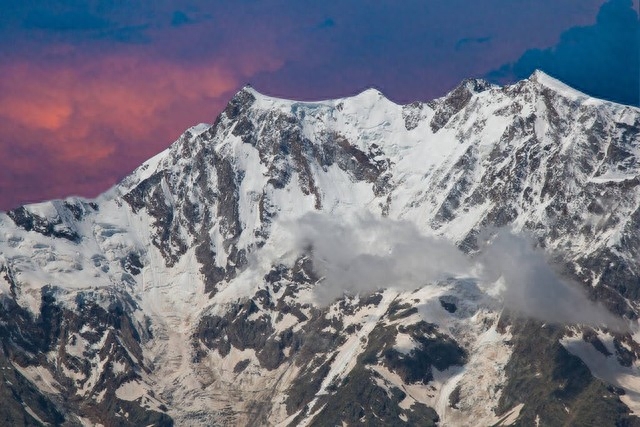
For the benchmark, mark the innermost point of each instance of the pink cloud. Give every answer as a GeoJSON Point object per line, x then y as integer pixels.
{"type": "Point", "coordinates": [78, 127]}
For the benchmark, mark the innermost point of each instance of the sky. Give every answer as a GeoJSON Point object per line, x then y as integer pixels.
{"type": "Point", "coordinates": [91, 89]}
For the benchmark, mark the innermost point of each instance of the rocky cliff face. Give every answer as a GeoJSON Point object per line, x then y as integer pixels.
{"type": "Point", "coordinates": [189, 295]}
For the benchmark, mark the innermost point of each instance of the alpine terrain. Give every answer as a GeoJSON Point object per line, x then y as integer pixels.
{"type": "Point", "coordinates": [472, 260]}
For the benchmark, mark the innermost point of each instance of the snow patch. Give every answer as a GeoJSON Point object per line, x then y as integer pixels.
{"type": "Point", "coordinates": [131, 390]}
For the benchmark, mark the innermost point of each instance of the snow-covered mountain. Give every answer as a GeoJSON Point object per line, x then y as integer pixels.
{"type": "Point", "coordinates": [202, 289]}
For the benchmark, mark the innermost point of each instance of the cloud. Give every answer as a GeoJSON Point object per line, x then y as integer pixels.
{"type": "Point", "coordinates": [327, 23]}
{"type": "Point", "coordinates": [134, 34]}
{"type": "Point", "coordinates": [363, 253]}
{"type": "Point", "coordinates": [601, 60]}
{"type": "Point", "coordinates": [528, 284]}
{"type": "Point", "coordinates": [472, 41]}
{"type": "Point", "coordinates": [79, 23]}
{"type": "Point", "coordinates": [179, 18]}
{"type": "Point", "coordinates": [76, 20]}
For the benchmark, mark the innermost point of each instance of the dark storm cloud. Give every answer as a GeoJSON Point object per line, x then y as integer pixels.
{"type": "Point", "coordinates": [601, 59]}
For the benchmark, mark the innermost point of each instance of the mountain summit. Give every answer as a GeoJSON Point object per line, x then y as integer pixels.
{"type": "Point", "coordinates": [330, 262]}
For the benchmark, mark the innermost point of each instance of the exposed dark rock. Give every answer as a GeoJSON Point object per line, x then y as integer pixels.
{"type": "Point", "coordinates": [238, 104]}
{"type": "Point", "coordinates": [412, 115]}
{"type": "Point", "coordinates": [220, 333]}
{"type": "Point", "coordinates": [399, 310]}
{"type": "Point", "coordinates": [32, 222]}
{"type": "Point", "coordinates": [132, 263]}
{"type": "Point", "coordinates": [241, 366]}
{"type": "Point", "coordinates": [454, 397]}
{"type": "Point", "coordinates": [434, 350]}
{"type": "Point", "coordinates": [228, 182]}
{"type": "Point", "coordinates": [356, 162]}
{"type": "Point", "coordinates": [17, 394]}
{"type": "Point", "coordinates": [448, 303]}
{"type": "Point", "coordinates": [591, 336]}
{"type": "Point", "coordinates": [79, 209]}
{"type": "Point", "coordinates": [150, 195]}
{"type": "Point", "coordinates": [625, 357]}
{"type": "Point", "coordinates": [213, 274]}
{"type": "Point", "coordinates": [307, 384]}
{"type": "Point", "coordinates": [455, 101]}
{"type": "Point", "coordinates": [554, 385]}
{"type": "Point", "coordinates": [371, 299]}
{"type": "Point", "coordinates": [359, 400]}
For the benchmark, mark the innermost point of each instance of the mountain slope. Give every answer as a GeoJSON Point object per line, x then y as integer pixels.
{"type": "Point", "coordinates": [189, 293]}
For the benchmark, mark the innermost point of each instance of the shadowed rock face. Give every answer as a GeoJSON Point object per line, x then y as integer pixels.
{"type": "Point", "coordinates": [178, 297]}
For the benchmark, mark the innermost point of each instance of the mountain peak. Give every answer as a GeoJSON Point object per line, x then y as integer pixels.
{"type": "Point", "coordinates": [370, 93]}
{"type": "Point", "coordinates": [249, 89]}
{"type": "Point", "coordinates": [549, 82]}
{"type": "Point", "coordinates": [476, 85]}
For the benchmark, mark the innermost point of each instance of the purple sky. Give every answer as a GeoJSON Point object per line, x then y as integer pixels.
{"type": "Point", "coordinates": [90, 89]}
